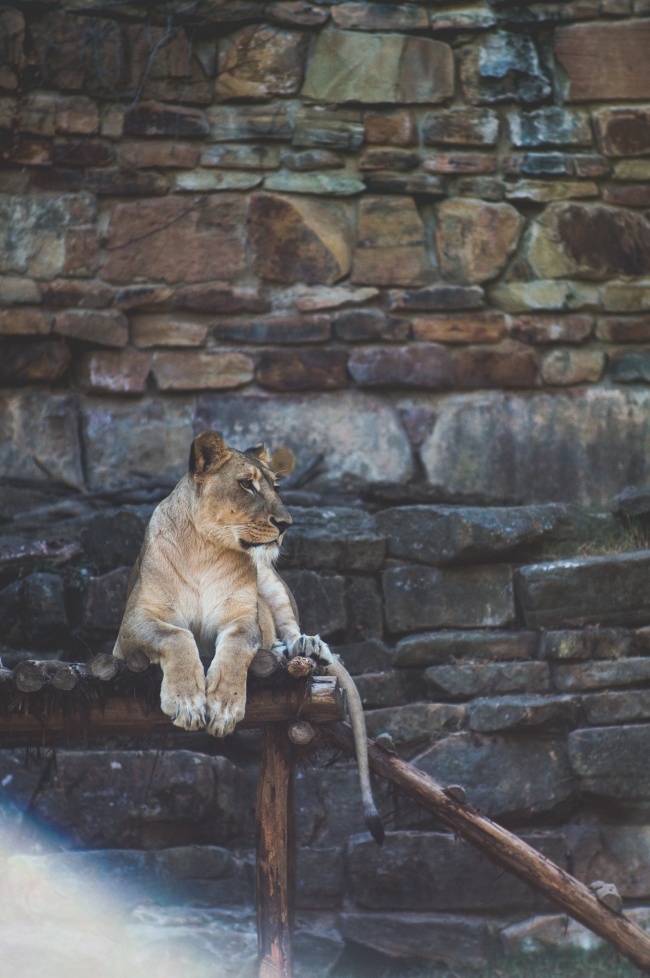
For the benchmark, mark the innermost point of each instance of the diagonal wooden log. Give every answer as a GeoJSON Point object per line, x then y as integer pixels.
{"type": "Point", "coordinates": [506, 850]}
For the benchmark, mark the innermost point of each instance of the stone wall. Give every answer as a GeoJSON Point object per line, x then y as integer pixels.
{"type": "Point", "coordinates": [413, 237]}
{"type": "Point", "coordinates": [505, 649]}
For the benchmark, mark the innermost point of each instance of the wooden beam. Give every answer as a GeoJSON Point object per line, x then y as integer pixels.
{"type": "Point", "coordinates": [275, 854]}
{"type": "Point", "coordinates": [37, 723]}
{"type": "Point", "coordinates": [506, 850]}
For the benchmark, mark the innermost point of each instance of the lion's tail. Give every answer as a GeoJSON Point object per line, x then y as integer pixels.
{"type": "Point", "coordinates": [358, 724]}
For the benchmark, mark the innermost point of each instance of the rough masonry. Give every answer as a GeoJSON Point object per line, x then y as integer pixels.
{"type": "Point", "coordinates": [425, 219]}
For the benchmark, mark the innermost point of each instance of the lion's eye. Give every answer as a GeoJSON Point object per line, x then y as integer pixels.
{"type": "Point", "coordinates": [246, 484]}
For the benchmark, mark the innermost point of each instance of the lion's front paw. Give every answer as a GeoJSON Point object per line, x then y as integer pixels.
{"type": "Point", "coordinates": [311, 647]}
{"type": "Point", "coordinates": [184, 701]}
{"type": "Point", "coordinates": [226, 705]}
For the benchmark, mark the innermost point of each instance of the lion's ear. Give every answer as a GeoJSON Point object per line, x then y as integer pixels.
{"type": "Point", "coordinates": [283, 461]}
{"type": "Point", "coordinates": [259, 451]}
{"type": "Point", "coordinates": [208, 451]}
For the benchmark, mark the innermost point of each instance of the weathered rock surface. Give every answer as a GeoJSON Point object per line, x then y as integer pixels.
{"type": "Point", "coordinates": [127, 442]}
{"type": "Point", "coordinates": [427, 365]}
{"type": "Point", "coordinates": [436, 648]}
{"type": "Point", "coordinates": [616, 853]}
{"type": "Point", "coordinates": [587, 591]}
{"type": "Point", "coordinates": [378, 68]}
{"type": "Point", "coordinates": [547, 934]}
{"type": "Point", "coordinates": [196, 371]}
{"type": "Point", "coordinates": [103, 601]}
{"type": "Point", "coordinates": [300, 239]}
{"type": "Point", "coordinates": [510, 364]}
{"type": "Point", "coordinates": [413, 726]}
{"type": "Point", "coordinates": [569, 677]}
{"type": "Point", "coordinates": [437, 298]}
{"type": "Point", "coordinates": [38, 232]}
{"type": "Point", "coordinates": [390, 127]}
{"type": "Point", "coordinates": [114, 371]}
{"type": "Point", "coordinates": [552, 126]}
{"type": "Point", "coordinates": [391, 244]}
{"type": "Point", "coordinates": [624, 131]}
{"type": "Point", "coordinates": [504, 68]}
{"type": "Point", "coordinates": [320, 878]}
{"type": "Point", "coordinates": [617, 707]}
{"type": "Point", "coordinates": [304, 370]}
{"type": "Point", "coordinates": [606, 759]}
{"type": "Point", "coordinates": [589, 241]}
{"type": "Point", "coordinates": [369, 655]}
{"type": "Point", "coordinates": [423, 597]}
{"type": "Point", "coordinates": [462, 127]}
{"type": "Point", "coordinates": [38, 362]}
{"type": "Point", "coordinates": [435, 871]}
{"type": "Point", "coordinates": [586, 643]}
{"type": "Point", "coordinates": [34, 611]}
{"type": "Point", "coordinates": [320, 599]}
{"type": "Point", "coordinates": [522, 712]}
{"type": "Point", "coordinates": [229, 123]}
{"type": "Point", "coordinates": [581, 447]}
{"type": "Point", "coordinates": [328, 804]}
{"type": "Point", "coordinates": [436, 937]}
{"type": "Point", "coordinates": [260, 62]}
{"type": "Point", "coordinates": [503, 776]}
{"type": "Point", "coordinates": [475, 240]}
{"type": "Point", "coordinates": [132, 799]}
{"type": "Point", "coordinates": [335, 538]}
{"type": "Point", "coordinates": [186, 239]}
{"type": "Point", "coordinates": [622, 46]}
{"type": "Point", "coordinates": [40, 427]}
{"type": "Point", "coordinates": [468, 679]}
{"type": "Point", "coordinates": [459, 534]}
{"type": "Point", "coordinates": [462, 328]}
{"type": "Point", "coordinates": [356, 432]}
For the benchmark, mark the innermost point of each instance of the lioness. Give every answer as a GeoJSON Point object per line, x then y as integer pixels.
{"type": "Point", "coordinates": [204, 583]}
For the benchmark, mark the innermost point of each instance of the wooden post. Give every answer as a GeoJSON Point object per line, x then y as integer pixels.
{"type": "Point", "coordinates": [506, 850]}
{"type": "Point", "coordinates": [275, 853]}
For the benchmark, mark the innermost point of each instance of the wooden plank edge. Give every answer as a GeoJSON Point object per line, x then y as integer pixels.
{"type": "Point", "coordinates": [319, 699]}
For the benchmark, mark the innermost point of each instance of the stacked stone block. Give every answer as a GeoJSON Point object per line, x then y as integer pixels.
{"type": "Point", "coordinates": [264, 211]}
{"type": "Point", "coordinates": [504, 649]}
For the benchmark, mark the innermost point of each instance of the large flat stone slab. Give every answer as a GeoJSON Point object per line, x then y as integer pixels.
{"type": "Point", "coordinates": [465, 680]}
{"type": "Point", "coordinates": [589, 241]}
{"type": "Point", "coordinates": [623, 47]}
{"type": "Point", "coordinates": [436, 871]}
{"type": "Point", "coordinates": [610, 590]}
{"type": "Point", "coordinates": [582, 446]}
{"type": "Point", "coordinates": [356, 432]}
{"type": "Point", "coordinates": [128, 442]}
{"type": "Point", "coordinates": [40, 428]}
{"type": "Point", "coordinates": [503, 775]}
{"type": "Point", "coordinates": [346, 66]}
{"type": "Point", "coordinates": [133, 799]}
{"type": "Point", "coordinates": [336, 538]}
{"type": "Point", "coordinates": [446, 937]}
{"type": "Point", "coordinates": [423, 597]}
{"type": "Point", "coordinates": [610, 761]}
{"type": "Point", "coordinates": [471, 534]}
{"type": "Point", "coordinates": [436, 648]}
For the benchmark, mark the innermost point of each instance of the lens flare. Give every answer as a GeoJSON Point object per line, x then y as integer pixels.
{"type": "Point", "coordinates": [65, 915]}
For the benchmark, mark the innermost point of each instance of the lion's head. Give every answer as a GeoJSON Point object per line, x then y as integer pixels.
{"type": "Point", "coordinates": [236, 495]}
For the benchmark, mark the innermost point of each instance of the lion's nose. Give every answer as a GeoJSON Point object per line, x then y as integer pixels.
{"type": "Point", "coordinates": [281, 525]}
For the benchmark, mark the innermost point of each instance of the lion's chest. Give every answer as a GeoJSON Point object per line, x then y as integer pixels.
{"type": "Point", "coordinates": [212, 601]}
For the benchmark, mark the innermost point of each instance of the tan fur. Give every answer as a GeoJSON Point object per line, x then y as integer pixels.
{"type": "Point", "coordinates": [204, 583]}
